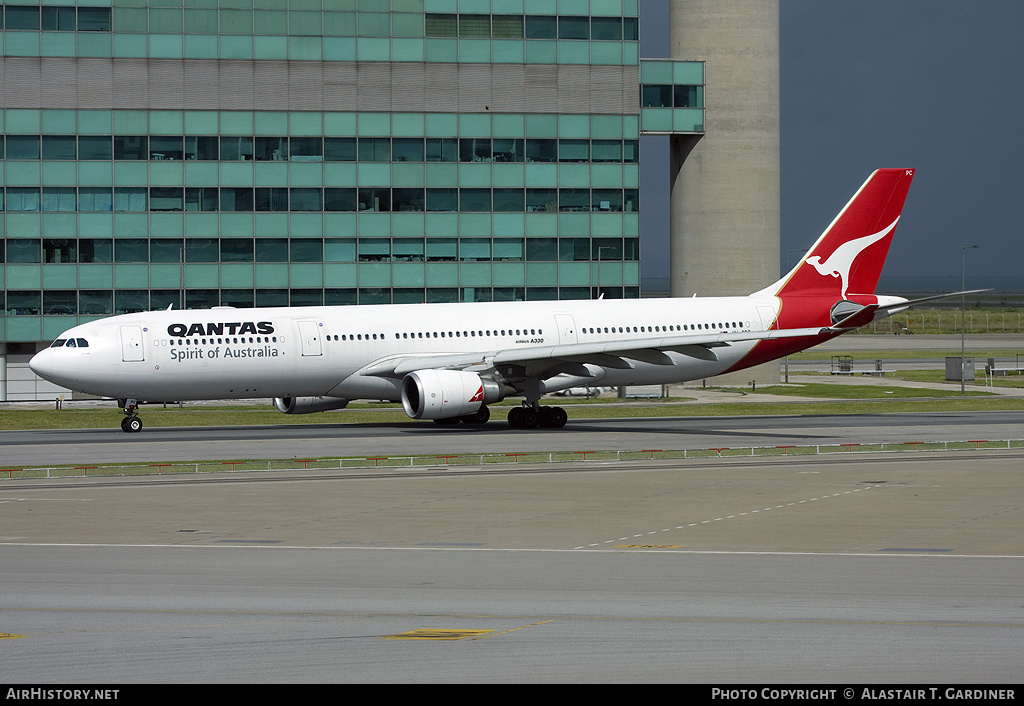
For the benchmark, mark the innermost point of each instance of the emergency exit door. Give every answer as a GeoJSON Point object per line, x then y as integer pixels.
{"type": "Point", "coordinates": [309, 334]}
{"type": "Point", "coordinates": [131, 344]}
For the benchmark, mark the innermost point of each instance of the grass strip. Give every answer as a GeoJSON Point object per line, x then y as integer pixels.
{"type": "Point", "coordinates": [210, 416]}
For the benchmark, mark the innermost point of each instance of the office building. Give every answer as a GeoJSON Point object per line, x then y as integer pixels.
{"type": "Point", "coordinates": [202, 153]}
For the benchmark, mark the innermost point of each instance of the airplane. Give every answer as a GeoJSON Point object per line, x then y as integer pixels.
{"type": "Point", "coordinates": [448, 362]}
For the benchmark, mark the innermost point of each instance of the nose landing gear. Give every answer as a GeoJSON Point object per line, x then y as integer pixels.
{"type": "Point", "coordinates": [131, 422]}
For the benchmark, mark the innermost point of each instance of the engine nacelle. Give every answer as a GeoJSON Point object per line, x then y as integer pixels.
{"type": "Point", "coordinates": [308, 405]}
{"type": "Point", "coordinates": [441, 394]}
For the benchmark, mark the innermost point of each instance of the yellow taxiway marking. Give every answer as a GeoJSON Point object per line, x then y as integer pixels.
{"type": "Point", "coordinates": [648, 546]}
{"type": "Point", "coordinates": [437, 634]}
{"type": "Point", "coordinates": [454, 634]}
{"type": "Point", "coordinates": [8, 636]}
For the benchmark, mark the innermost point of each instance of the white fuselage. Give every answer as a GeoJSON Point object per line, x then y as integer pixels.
{"type": "Point", "coordinates": [229, 353]}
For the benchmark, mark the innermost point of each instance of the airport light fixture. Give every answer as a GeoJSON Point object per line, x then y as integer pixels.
{"type": "Point", "coordinates": [963, 310]}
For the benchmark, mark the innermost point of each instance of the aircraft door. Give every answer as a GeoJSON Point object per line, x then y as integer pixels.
{"type": "Point", "coordinates": [566, 328]}
{"type": "Point", "coordinates": [767, 315]}
{"type": "Point", "coordinates": [131, 344]}
{"type": "Point", "coordinates": [309, 334]}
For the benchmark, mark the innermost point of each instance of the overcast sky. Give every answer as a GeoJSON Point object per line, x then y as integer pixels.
{"type": "Point", "coordinates": [930, 84]}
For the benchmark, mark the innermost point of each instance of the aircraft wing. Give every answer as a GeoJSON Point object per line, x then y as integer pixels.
{"type": "Point", "coordinates": [535, 361]}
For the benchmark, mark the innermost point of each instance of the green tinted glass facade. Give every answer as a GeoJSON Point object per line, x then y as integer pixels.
{"type": "Point", "coordinates": [671, 96]}
{"type": "Point", "coordinates": [304, 152]}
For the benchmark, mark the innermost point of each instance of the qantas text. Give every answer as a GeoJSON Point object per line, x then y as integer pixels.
{"type": "Point", "coordinates": [221, 329]}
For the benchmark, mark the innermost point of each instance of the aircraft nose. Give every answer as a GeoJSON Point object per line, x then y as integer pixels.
{"type": "Point", "coordinates": [42, 363]}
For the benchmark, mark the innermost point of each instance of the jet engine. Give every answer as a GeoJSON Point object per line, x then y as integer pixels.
{"type": "Point", "coordinates": [308, 405]}
{"type": "Point", "coordinates": [444, 394]}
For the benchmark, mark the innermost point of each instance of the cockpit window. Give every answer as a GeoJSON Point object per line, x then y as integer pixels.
{"type": "Point", "coordinates": [70, 343]}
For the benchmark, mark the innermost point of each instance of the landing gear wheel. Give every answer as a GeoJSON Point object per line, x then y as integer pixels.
{"type": "Point", "coordinates": [131, 422]}
{"type": "Point", "coordinates": [522, 418]}
{"type": "Point", "coordinates": [553, 417]}
{"type": "Point", "coordinates": [478, 417]}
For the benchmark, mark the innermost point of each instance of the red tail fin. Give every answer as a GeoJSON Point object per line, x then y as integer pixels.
{"type": "Point", "coordinates": [848, 257]}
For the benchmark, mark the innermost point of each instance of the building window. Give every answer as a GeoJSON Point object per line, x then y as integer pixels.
{"type": "Point", "coordinates": [236, 149]}
{"type": "Point", "coordinates": [655, 96]}
{"type": "Point", "coordinates": [95, 147]}
{"type": "Point", "coordinates": [271, 250]}
{"type": "Point", "coordinates": [606, 28]}
{"type": "Point", "coordinates": [407, 150]}
{"type": "Point", "coordinates": [270, 199]}
{"type": "Point", "coordinates": [236, 250]}
{"type": "Point", "coordinates": [441, 25]}
{"type": "Point", "coordinates": [60, 250]}
{"type": "Point", "coordinates": [306, 250]}
{"type": "Point", "coordinates": [374, 250]}
{"type": "Point", "coordinates": [59, 198]}
{"type": "Point", "coordinates": [340, 200]}
{"type": "Point", "coordinates": [166, 199]}
{"type": "Point", "coordinates": [306, 200]}
{"type": "Point", "coordinates": [20, 198]}
{"type": "Point", "coordinates": [131, 147]}
{"type": "Point", "coordinates": [339, 149]}
{"type": "Point", "coordinates": [23, 250]}
{"type": "Point", "coordinates": [59, 147]}
{"type": "Point", "coordinates": [507, 26]}
{"type": "Point", "coordinates": [408, 199]}
{"type": "Point", "coordinates": [541, 27]}
{"type": "Point", "coordinates": [23, 147]}
{"type": "Point", "coordinates": [202, 198]}
{"type": "Point", "coordinates": [21, 17]}
{"type": "Point", "coordinates": [131, 250]}
{"type": "Point", "coordinates": [574, 28]}
{"type": "Point", "coordinates": [166, 250]}
{"type": "Point", "coordinates": [166, 147]}
{"type": "Point", "coordinates": [477, 26]}
{"type": "Point", "coordinates": [23, 303]}
{"type": "Point", "coordinates": [94, 19]}
{"type": "Point", "coordinates": [202, 147]}
{"type": "Point", "coordinates": [442, 149]}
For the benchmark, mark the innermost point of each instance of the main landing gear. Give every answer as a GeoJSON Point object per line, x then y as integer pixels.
{"type": "Point", "coordinates": [131, 422]}
{"type": "Point", "coordinates": [525, 417]}
{"type": "Point", "coordinates": [533, 416]}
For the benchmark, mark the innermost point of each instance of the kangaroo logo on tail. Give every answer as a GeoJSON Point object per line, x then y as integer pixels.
{"type": "Point", "coordinates": [843, 252]}
{"type": "Point", "coordinates": [841, 260]}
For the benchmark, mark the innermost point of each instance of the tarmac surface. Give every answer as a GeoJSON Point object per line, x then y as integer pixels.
{"type": "Point", "coordinates": [849, 569]}
{"type": "Point", "coordinates": [841, 569]}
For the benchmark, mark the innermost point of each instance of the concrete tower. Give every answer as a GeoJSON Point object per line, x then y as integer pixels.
{"type": "Point", "coordinates": [725, 210]}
